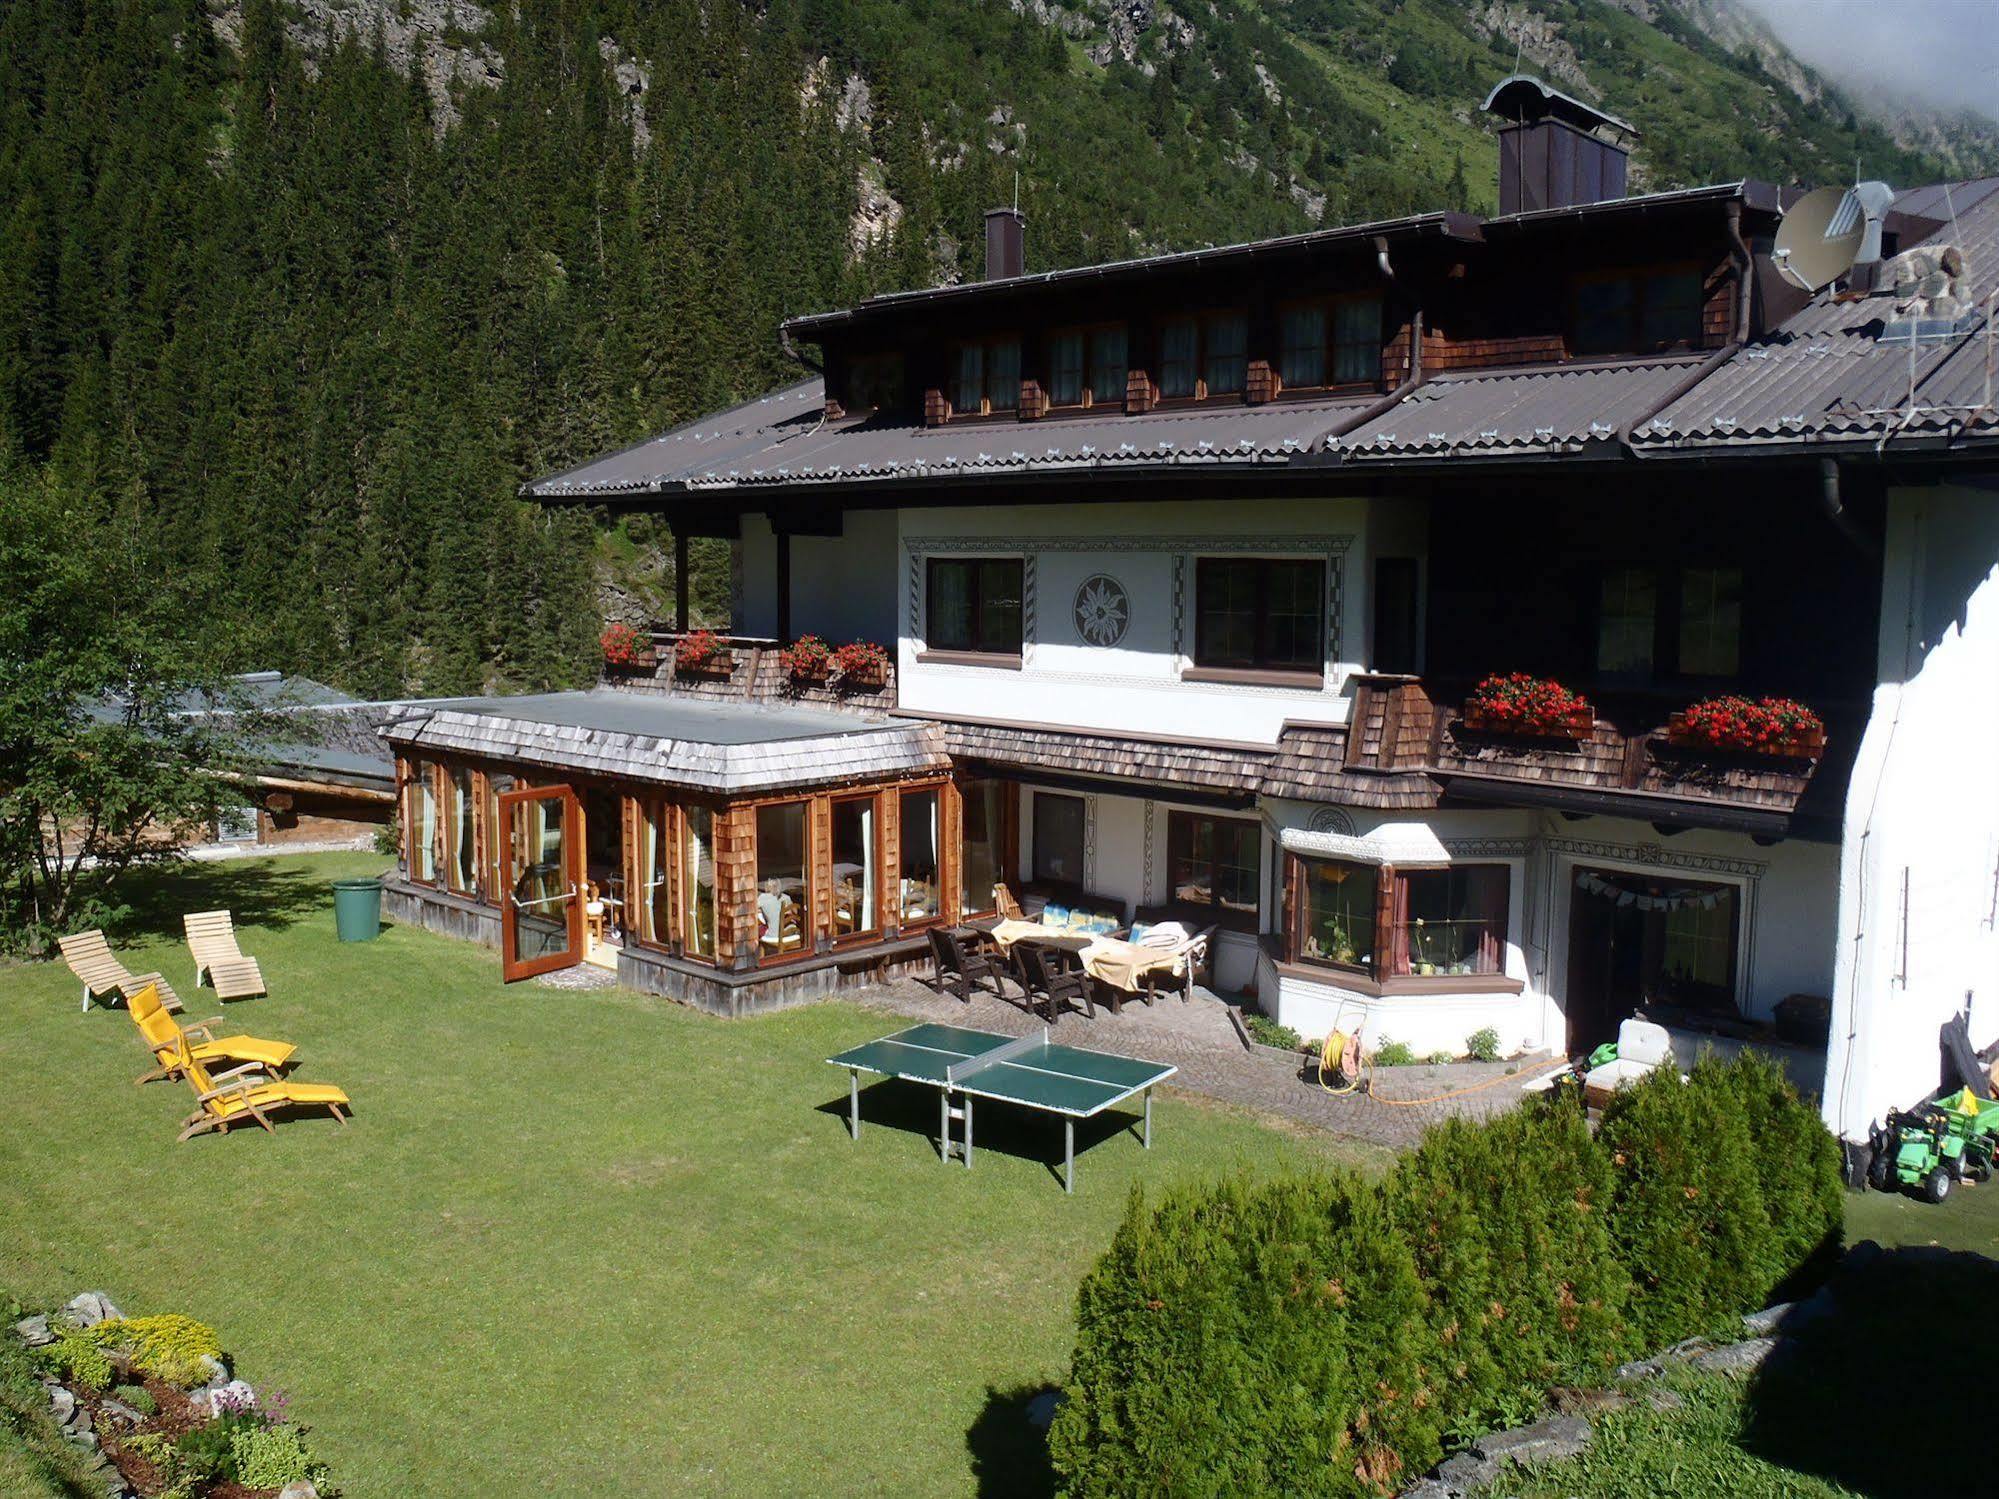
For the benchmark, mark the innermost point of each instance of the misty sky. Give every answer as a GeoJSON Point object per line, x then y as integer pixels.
{"type": "Point", "coordinates": [1937, 52]}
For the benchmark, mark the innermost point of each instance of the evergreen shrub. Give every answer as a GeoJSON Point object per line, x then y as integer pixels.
{"type": "Point", "coordinates": [1509, 1223]}
{"type": "Point", "coordinates": [1252, 1338]}
{"type": "Point", "coordinates": [1799, 1170]}
{"type": "Point", "coordinates": [1687, 1215]}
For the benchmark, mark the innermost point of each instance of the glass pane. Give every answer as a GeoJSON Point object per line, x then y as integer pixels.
{"type": "Point", "coordinates": [782, 920]}
{"type": "Point", "coordinates": [1225, 612]}
{"type": "Point", "coordinates": [856, 880]}
{"type": "Point", "coordinates": [1003, 376]}
{"type": "Point", "coordinates": [1301, 357]}
{"type": "Point", "coordinates": [1455, 919]}
{"type": "Point", "coordinates": [423, 822]}
{"type": "Point", "coordinates": [1227, 339]}
{"type": "Point", "coordinates": [1109, 365]}
{"type": "Point", "coordinates": [698, 869]}
{"type": "Point", "coordinates": [1192, 843]}
{"type": "Point", "coordinates": [1710, 621]}
{"type": "Point", "coordinates": [999, 606]}
{"type": "Point", "coordinates": [1337, 921]}
{"type": "Point", "coordinates": [1624, 628]}
{"type": "Point", "coordinates": [919, 889]}
{"type": "Point", "coordinates": [541, 892]}
{"type": "Point", "coordinates": [1604, 316]}
{"type": "Point", "coordinates": [1294, 609]}
{"type": "Point", "coordinates": [651, 910]}
{"type": "Point", "coordinates": [1672, 310]}
{"type": "Point", "coordinates": [461, 866]}
{"type": "Point", "coordinates": [1697, 960]}
{"type": "Point", "coordinates": [1065, 369]}
{"type": "Point", "coordinates": [950, 607]}
{"type": "Point", "coordinates": [495, 836]}
{"type": "Point", "coordinates": [968, 382]}
{"type": "Point", "coordinates": [1058, 839]}
{"type": "Point", "coordinates": [1179, 342]}
{"type": "Point", "coordinates": [980, 858]}
{"type": "Point", "coordinates": [1238, 869]}
{"type": "Point", "coordinates": [1357, 340]}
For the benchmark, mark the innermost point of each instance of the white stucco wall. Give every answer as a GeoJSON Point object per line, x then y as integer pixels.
{"type": "Point", "coordinates": [842, 587]}
{"type": "Point", "coordinates": [1149, 549]}
{"type": "Point", "coordinates": [1919, 872]}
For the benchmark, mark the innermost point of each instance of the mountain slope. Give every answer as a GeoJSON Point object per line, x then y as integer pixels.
{"type": "Point", "coordinates": [293, 295]}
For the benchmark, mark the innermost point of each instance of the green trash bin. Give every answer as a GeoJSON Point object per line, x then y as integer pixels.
{"type": "Point", "coordinates": [357, 909]}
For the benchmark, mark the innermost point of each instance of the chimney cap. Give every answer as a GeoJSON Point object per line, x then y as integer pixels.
{"type": "Point", "coordinates": [1521, 97]}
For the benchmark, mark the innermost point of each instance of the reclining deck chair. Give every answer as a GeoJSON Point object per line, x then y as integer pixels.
{"type": "Point", "coordinates": [244, 1092]}
{"type": "Point", "coordinates": [89, 957]}
{"type": "Point", "coordinates": [167, 1040]}
{"type": "Point", "coordinates": [218, 961]}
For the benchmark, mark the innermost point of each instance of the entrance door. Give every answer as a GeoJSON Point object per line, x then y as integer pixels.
{"type": "Point", "coordinates": [541, 873]}
{"type": "Point", "coordinates": [1647, 941]}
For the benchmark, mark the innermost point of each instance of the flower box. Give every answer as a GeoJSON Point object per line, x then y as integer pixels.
{"type": "Point", "coordinates": [1772, 728]}
{"type": "Point", "coordinates": [862, 665]}
{"type": "Point", "coordinates": [702, 654]}
{"type": "Point", "coordinates": [807, 659]}
{"type": "Point", "coordinates": [1530, 707]}
{"type": "Point", "coordinates": [626, 648]}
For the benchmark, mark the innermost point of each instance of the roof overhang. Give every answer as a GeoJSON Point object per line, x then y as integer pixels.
{"type": "Point", "coordinates": [1682, 811]}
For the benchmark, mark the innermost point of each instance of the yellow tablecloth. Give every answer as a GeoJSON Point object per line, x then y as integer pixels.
{"type": "Point", "coordinates": [1125, 965]}
{"type": "Point", "coordinates": [1009, 931]}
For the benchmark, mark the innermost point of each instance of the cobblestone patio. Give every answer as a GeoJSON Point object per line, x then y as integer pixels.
{"type": "Point", "coordinates": [1199, 1038]}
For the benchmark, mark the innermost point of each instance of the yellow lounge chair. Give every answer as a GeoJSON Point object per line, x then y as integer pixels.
{"type": "Point", "coordinates": [89, 957]}
{"type": "Point", "coordinates": [218, 961]}
{"type": "Point", "coordinates": [166, 1040]}
{"type": "Point", "coordinates": [245, 1092]}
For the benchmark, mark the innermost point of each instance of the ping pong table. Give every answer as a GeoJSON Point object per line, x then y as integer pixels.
{"type": "Point", "coordinates": [1027, 1070]}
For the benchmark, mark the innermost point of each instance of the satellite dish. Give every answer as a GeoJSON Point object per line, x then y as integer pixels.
{"type": "Point", "coordinates": [1828, 231]}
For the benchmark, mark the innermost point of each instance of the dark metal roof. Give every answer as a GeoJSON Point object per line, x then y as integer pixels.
{"type": "Point", "coordinates": [1825, 376]}
{"type": "Point", "coordinates": [1451, 224]}
{"type": "Point", "coordinates": [868, 449]}
{"type": "Point", "coordinates": [710, 444]}
{"type": "Point", "coordinates": [1549, 409]}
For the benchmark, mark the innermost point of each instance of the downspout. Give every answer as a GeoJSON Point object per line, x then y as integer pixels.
{"type": "Point", "coordinates": [791, 351]}
{"type": "Point", "coordinates": [1835, 508]}
{"type": "Point", "coordinates": [1732, 220]}
{"type": "Point", "coordinates": [1395, 396]}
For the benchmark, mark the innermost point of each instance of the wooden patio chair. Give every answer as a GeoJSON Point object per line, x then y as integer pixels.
{"type": "Point", "coordinates": [169, 1040]}
{"type": "Point", "coordinates": [218, 961]}
{"type": "Point", "coordinates": [246, 1092]}
{"type": "Point", "coordinates": [90, 958]}
{"type": "Point", "coordinates": [968, 966]}
{"type": "Point", "coordinates": [1042, 973]}
{"type": "Point", "coordinates": [1004, 903]}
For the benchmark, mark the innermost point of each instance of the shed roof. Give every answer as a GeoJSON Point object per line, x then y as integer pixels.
{"type": "Point", "coordinates": [700, 743]}
{"type": "Point", "coordinates": [1825, 376]}
{"type": "Point", "coordinates": [1551, 409]}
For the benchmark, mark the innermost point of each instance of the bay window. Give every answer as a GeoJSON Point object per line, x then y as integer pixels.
{"type": "Point", "coordinates": [1399, 923]}
{"type": "Point", "coordinates": [1336, 903]}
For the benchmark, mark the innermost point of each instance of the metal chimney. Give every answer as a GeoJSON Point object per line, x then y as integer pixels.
{"type": "Point", "coordinates": [1006, 243]}
{"type": "Point", "coordinates": [1555, 151]}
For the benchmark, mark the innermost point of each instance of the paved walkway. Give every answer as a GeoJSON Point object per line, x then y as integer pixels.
{"type": "Point", "coordinates": [1198, 1037]}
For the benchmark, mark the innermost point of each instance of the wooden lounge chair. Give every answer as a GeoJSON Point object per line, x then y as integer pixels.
{"type": "Point", "coordinates": [168, 1040]}
{"type": "Point", "coordinates": [968, 966]}
{"type": "Point", "coordinates": [1004, 903]}
{"type": "Point", "coordinates": [245, 1092]}
{"type": "Point", "coordinates": [1042, 973]}
{"type": "Point", "coordinates": [103, 977]}
{"type": "Point", "coordinates": [218, 961]}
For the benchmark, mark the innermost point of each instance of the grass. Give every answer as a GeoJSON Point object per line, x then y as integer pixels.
{"type": "Point", "coordinates": [574, 1242]}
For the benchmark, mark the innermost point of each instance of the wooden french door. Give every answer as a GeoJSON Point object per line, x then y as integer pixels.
{"type": "Point", "coordinates": [541, 881]}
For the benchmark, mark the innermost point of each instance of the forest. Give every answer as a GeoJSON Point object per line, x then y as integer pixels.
{"type": "Point", "coordinates": [286, 326]}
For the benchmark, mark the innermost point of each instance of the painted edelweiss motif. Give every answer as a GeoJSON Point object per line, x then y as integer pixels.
{"type": "Point", "coordinates": [1103, 610]}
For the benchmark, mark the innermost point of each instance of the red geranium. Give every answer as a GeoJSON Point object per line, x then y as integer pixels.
{"type": "Point", "coordinates": [623, 645]}
{"type": "Point", "coordinates": [696, 650]}
{"type": "Point", "coordinates": [861, 659]}
{"type": "Point", "coordinates": [1526, 704]}
{"type": "Point", "coordinates": [1738, 723]}
{"type": "Point", "coordinates": [807, 656]}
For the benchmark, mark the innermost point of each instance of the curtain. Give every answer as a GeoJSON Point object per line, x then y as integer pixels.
{"type": "Point", "coordinates": [1398, 924]}
{"type": "Point", "coordinates": [1487, 902]}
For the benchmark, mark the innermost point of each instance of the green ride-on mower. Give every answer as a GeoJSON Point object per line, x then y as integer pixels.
{"type": "Point", "coordinates": [1935, 1146]}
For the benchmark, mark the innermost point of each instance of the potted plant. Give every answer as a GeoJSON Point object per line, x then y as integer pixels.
{"type": "Point", "coordinates": [1535, 707]}
{"type": "Point", "coordinates": [1776, 726]}
{"type": "Point", "coordinates": [701, 651]}
{"type": "Point", "coordinates": [861, 663]}
{"type": "Point", "coordinates": [807, 659]}
{"type": "Point", "coordinates": [625, 647]}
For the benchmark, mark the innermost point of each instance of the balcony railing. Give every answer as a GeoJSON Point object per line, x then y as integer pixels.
{"type": "Point", "coordinates": [745, 668]}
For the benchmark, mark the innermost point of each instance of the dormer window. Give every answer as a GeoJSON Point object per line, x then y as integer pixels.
{"type": "Point", "coordinates": [1088, 366]}
{"type": "Point", "coordinates": [874, 383]}
{"type": "Point", "coordinates": [985, 377]}
{"type": "Point", "coordinates": [1636, 312]}
{"type": "Point", "coordinates": [1334, 342]}
{"type": "Point", "coordinates": [1203, 356]}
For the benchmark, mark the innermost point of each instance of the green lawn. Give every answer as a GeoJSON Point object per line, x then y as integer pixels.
{"type": "Point", "coordinates": [574, 1242]}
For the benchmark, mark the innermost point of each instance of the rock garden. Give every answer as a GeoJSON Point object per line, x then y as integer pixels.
{"type": "Point", "coordinates": [152, 1407]}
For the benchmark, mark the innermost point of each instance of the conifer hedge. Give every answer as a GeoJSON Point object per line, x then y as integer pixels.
{"type": "Point", "coordinates": [1323, 1334]}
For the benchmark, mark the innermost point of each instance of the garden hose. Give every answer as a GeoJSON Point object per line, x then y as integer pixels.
{"type": "Point", "coordinates": [1342, 1056]}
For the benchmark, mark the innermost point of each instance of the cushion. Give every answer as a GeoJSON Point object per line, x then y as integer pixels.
{"type": "Point", "coordinates": [1137, 933]}
{"type": "Point", "coordinates": [1054, 915]}
{"type": "Point", "coordinates": [1163, 934]}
